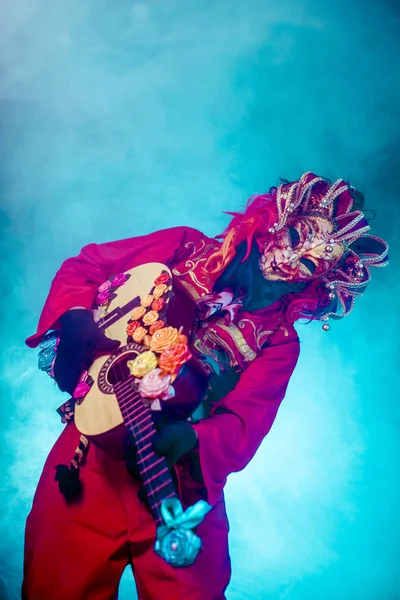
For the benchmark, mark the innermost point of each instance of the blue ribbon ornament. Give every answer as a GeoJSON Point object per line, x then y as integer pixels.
{"type": "Point", "coordinates": [47, 353]}
{"type": "Point", "coordinates": [176, 542]}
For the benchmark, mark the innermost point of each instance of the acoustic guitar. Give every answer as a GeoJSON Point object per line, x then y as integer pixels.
{"type": "Point", "coordinates": [112, 406]}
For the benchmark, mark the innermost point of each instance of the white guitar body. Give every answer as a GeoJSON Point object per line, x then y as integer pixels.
{"type": "Point", "coordinates": [99, 411]}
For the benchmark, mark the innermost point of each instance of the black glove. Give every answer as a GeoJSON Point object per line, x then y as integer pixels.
{"type": "Point", "coordinates": [175, 440]}
{"type": "Point", "coordinates": [80, 342]}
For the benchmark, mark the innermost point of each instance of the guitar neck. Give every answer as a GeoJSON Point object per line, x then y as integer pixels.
{"type": "Point", "coordinates": [153, 469]}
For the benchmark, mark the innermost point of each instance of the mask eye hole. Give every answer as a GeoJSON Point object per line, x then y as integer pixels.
{"type": "Point", "coordinates": [294, 237]}
{"type": "Point", "coordinates": [308, 264]}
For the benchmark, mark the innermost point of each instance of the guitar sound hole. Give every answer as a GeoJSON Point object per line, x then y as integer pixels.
{"type": "Point", "coordinates": [115, 368]}
{"type": "Point", "coordinates": [119, 370]}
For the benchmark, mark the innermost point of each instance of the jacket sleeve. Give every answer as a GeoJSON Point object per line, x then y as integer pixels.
{"type": "Point", "coordinates": [76, 282]}
{"type": "Point", "coordinates": [230, 437]}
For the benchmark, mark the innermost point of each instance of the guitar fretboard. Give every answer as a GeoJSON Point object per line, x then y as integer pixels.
{"type": "Point", "coordinates": [153, 469]}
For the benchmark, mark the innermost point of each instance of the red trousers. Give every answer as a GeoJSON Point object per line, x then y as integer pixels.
{"type": "Point", "coordinates": [79, 552]}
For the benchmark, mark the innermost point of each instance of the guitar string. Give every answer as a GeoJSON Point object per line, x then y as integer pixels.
{"type": "Point", "coordinates": [166, 490]}
{"type": "Point", "coordinates": [156, 496]}
{"type": "Point", "coordinates": [136, 431]}
{"type": "Point", "coordinates": [135, 427]}
{"type": "Point", "coordinates": [146, 462]}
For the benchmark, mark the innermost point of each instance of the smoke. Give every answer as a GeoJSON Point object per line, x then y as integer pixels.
{"type": "Point", "coordinates": [117, 119]}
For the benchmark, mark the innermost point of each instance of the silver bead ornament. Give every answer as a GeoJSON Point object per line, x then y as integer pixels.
{"type": "Point", "coordinates": [325, 327]}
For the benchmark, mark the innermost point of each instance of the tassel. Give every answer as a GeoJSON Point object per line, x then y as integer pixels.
{"type": "Point", "coordinates": [69, 483]}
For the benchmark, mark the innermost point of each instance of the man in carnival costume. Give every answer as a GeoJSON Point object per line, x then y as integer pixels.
{"type": "Point", "coordinates": [301, 251]}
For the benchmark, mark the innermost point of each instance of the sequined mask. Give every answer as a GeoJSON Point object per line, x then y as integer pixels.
{"type": "Point", "coordinates": [302, 251]}
{"type": "Point", "coordinates": [317, 235]}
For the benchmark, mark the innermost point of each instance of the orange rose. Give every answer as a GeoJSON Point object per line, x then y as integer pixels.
{"type": "Point", "coordinates": [159, 290]}
{"type": "Point", "coordinates": [182, 339]}
{"type": "Point", "coordinates": [163, 339]}
{"type": "Point", "coordinates": [157, 325]}
{"type": "Point", "coordinates": [147, 300]}
{"type": "Point", "coordinates": [139, 334]}
{"type": "Point", "coordinates": [173, 357]}
{"type": "Point", "coordinates": [163, 278]}
{"type": "Point", "coordinates": [131, 328]}
{"type": "Point", "coordinates": [158, 304]}
{"type": "Point", "coordinates": [150, 317]}
{"type": "Point", "coordinates": [138, 313]}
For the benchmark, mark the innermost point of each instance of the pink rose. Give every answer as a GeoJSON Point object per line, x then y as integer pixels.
{"type": "Point", "coordinates": [119, 279]}
{"type": "Point", "coordinates": [102, 298]}
{"type": "Point", "coordinates": [154, 385]}
{"type": "Point", "coordinates": [104, 286]}
{"type": "Point", "coordinates": [81, 390]}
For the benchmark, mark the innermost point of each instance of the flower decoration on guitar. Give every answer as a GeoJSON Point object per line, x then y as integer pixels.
{"type": "Point", "coordinates": [157, 325]}
{"type": "Point", "coordinates": [174, 357]}
{"type": "Point", "coordinates": [156, 368]}
{"type": "Point", "coordinates": [84, 385]}
{"type": "Point", "coordinates": [143, 364]}
{"type": "Point", "coordinates": [156, 386]}
{"type": "Point", "coordinates": [49, 343]}
{"type": "Point", "coordinates": [147, 300]}
{"type": "Point", "coordinates": [150, 318]}
{"type": "Point", "coordinates": [106, 293]}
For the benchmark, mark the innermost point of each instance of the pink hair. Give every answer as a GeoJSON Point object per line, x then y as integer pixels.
{"type": "Point", "coordinates": [310, 304]}
{"type": "Point", "coordinates": [258, 216]}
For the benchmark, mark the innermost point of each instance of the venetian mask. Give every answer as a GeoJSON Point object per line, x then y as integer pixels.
{"type": "Point", "coordinates": [302, 251]}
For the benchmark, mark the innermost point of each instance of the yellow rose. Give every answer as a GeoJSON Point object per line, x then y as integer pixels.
{"type": "Point", "coordinates": [147, 300]}
{"type": "Point", "coordinates": [150, 317]}
{"type": "Point", "coordinates": [159, 290]}
{"type": "Point", "coordinates": [139, 334]}
{"type": "Point", "coordinates": [163, 339]}
{"type": "Point", "coordinates": [138, 313]}
{"type": "Point", "coordinates": [143, 364]}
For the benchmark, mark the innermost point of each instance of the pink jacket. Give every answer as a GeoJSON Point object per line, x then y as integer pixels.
{"type": "Point", "coordinates": [227, 440]}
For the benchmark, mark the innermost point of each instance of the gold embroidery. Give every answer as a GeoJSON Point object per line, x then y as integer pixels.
{"type": "Point", "coordinates": [242, 325]}
{"type": "Point", "coordinates": [258, 333]}
{"type": "Point", "coordinates": [213, 336]}
{"type": "Point", "coordinates": [193, 269]}
{"type": "Point", "coordinates": [262, 334]}
{"type": "Point", "coordinates": [193, 277]}
{"type": "Point", "coordinates": [196, 282]}
{"type": "Point", "coordinates": [238, 339]}
{"type": "Point", "coordinates": [202, 348]}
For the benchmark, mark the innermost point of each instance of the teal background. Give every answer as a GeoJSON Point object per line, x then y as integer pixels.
{"type": "Point", "coordinates": [119, 118]}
